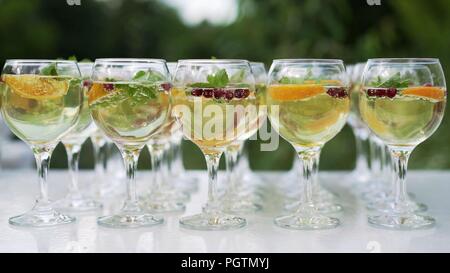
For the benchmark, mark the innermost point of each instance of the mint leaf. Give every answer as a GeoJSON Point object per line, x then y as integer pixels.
{"type": "Point", "coordinates": [148, 76]}
{"type": "Point", "coordinates": [72, 58]}
{"type": "Point", "coordinates": [219, 79]}
{"type": "Point", "coordinates": [395, 81]}
{"type": "Point", "coordinates": [49, 70]}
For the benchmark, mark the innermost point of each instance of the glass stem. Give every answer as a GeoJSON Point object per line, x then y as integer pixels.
{"type": "Point", "coordinates": [157, 155]}
{"type": "Point", "coordinates": [307, 157]}
{"type": "Point", "coordinates": [231, 156]}
{"type": "Point", "coordinates": [130, 157]}
{"type": "Point", "coordinates": [400, 157]}
{"type": "Point", "coordinates": [99, 158]}
{"type": "Point", "coordinates": [212, 162]}
{"type": "Point", "coordinates": [42, 155]}
{"type": "Point", "coordinates": [315, 172]}
{"type": "Point", "coordinates": [375, 161]}
{"type": "Point", "coordinates": [362, 152]}
{"type": "Point", "coordinates": [166, 165]}
{"type": "Point", "coordinates": [73, 156]}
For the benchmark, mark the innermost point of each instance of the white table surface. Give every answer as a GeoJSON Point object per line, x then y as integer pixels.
{"type": "Point", "coordinates": [17, 191]}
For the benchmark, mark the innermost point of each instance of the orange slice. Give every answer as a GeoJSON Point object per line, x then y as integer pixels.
{"type": "Point", "coordinates": [36, 86]}
{"type": "Point", "coordinates": [286, 92]}
{"type": "Point", "coordinates": [97, 91]}
{"type": "Point", "coordinates": [435, 93]}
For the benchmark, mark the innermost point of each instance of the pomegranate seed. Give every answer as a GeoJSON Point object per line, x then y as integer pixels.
{"type": "Point", "coordinates": [108, 86]}
{"type": "Point", "coordinates": [391, 92]}
{"type": "Point", "coordinates": [229, 95]}
{"type": "Point", "coordinates": [197, 92]}
{"type": "Point", "coordinates": [208, 93]}
{"type": "Point", "coordinates": [87, 84]}
{"type": "Point", "coordinates": [337, 92]}
{"type": "Point", "coordinates": [239, 93]}
{"type": "Point", "coordinates": [428, 85]}
{"type": "Point", "coordinates": [246, 93]}
{"type": "Point", "coordinates": [219, 93]}
{"type": "Point", "coordinates": [372, 92]}
{"type": "Point", "coordinates": [166, 86]}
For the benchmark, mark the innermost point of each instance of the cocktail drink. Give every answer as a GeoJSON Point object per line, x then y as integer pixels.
{"type": "Point", "coordinates": [41, 102]}
{"type": "Point", "coordinates": [308, 105]}
{"type": "Point", "coordinates": [129, 102]}
{"type": "Point", "coordinates": [75, 200]}
{"type": "Point", "coordinates": [216, 103]}
{"type": "Point", "coordinates": [240, 194]}
{"type": "Point", "coordinates": [403, 103]}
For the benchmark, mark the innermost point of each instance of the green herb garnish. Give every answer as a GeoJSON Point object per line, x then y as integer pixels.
{"type": "Point", "coordinates": [395, 81]}
{"type": "Point", "coordinates": [49, 70]}
{"type": "Point", "coordinates": [145, 89]}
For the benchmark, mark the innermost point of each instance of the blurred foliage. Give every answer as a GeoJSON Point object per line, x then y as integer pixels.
{"type": "Point", "coordinates": [264, 30]}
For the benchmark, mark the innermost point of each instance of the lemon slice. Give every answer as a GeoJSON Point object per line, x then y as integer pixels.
{"type": "Point", "coordinates": [36, 86]}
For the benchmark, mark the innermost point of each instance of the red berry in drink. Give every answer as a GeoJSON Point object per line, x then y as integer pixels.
{"type": "Point", "coordinates": [428, 85]}
{"type": "Point", "coordinates": [337, 92]}
{"type": "Point", "coordinates": [197, 92]}
{"type": "Point", "coordinates": [229, 94]}
{"type": "Point", "coordinates": [372, 92]}
{"type": "Point", "coordinates": [219, 93]}
{"type": "Point", "coordinates": [238, 93]}
{"type": "Point", "coordinates": [108, 86]}
{"type": "Point", "coordinates": [166, 86]}
{"type": "Point", "coordinates": [208, 93]}
{"type": "Point", "coordinates": [391, 92]}
{"type": "Point", "coordinates": [87, 84]}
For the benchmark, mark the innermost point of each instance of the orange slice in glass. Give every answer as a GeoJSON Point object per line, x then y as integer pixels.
{"type": "Point", "coordinates": [434, 93]}
{"type": "Point", "coordinates": [36, 86]}
{"type": "Point", "coordinates": [97, 91]}
{"type": "Point", "coordinates": [287, 92]}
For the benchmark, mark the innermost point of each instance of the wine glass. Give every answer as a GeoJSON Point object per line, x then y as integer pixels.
{"type": "Point", "coordinates": [41, 102]}
{"type": "Point", "coordinates": [75, 199]}
{"type": "Point", "coordinates": [403, 103]}
{"type": "Point", "coordinates": [129, 102]}
{"type": "Point", "coordinates": [308, 105]}
{"type": "Point", "coordinates": [240, 196]}
{"type": "Point", "coordinates": [215, 100]}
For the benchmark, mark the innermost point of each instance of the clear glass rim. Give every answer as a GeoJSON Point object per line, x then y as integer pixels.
{"type": "Point", "coordinates": [404, 60]}
{"type": "Point", "coordinates": [39, 61]}
{"type": "Point", "coordinates": [309, 61]}
{"type": "Point", "coordinates": [213, 61]}
{"type": "Point", "coordinates": [129, 60]}
{"type": "Point", "coordinates": [257, 63]}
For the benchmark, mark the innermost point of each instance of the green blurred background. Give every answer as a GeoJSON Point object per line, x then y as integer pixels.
{"type": "Point", "coordinates": [259, 30]}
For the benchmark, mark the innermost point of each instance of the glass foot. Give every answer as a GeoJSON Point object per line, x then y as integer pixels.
{"type": "Point", "coordinates": [388, 205]}
{"type": "Point", "coordinates": [324, 207]}
{"type": "Point", "coordinates": [306, 222]}
{"type": "Point", "coordinates": [242, 206]}
{"type": "Point", "coordinates": [129, 220]}
{"type": "Point", "coordinates": [161, 206]}
{"type": "Point", "coordinates": [328, 207]}
{"type": "Point", "coordinates": [47, 218]}
{"type": "Point", "coordinates": [78, 204]}
{"type": "Point", "coordinates": [206, 221]}
{"type": "Point", "coordinates": [402, 221]}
